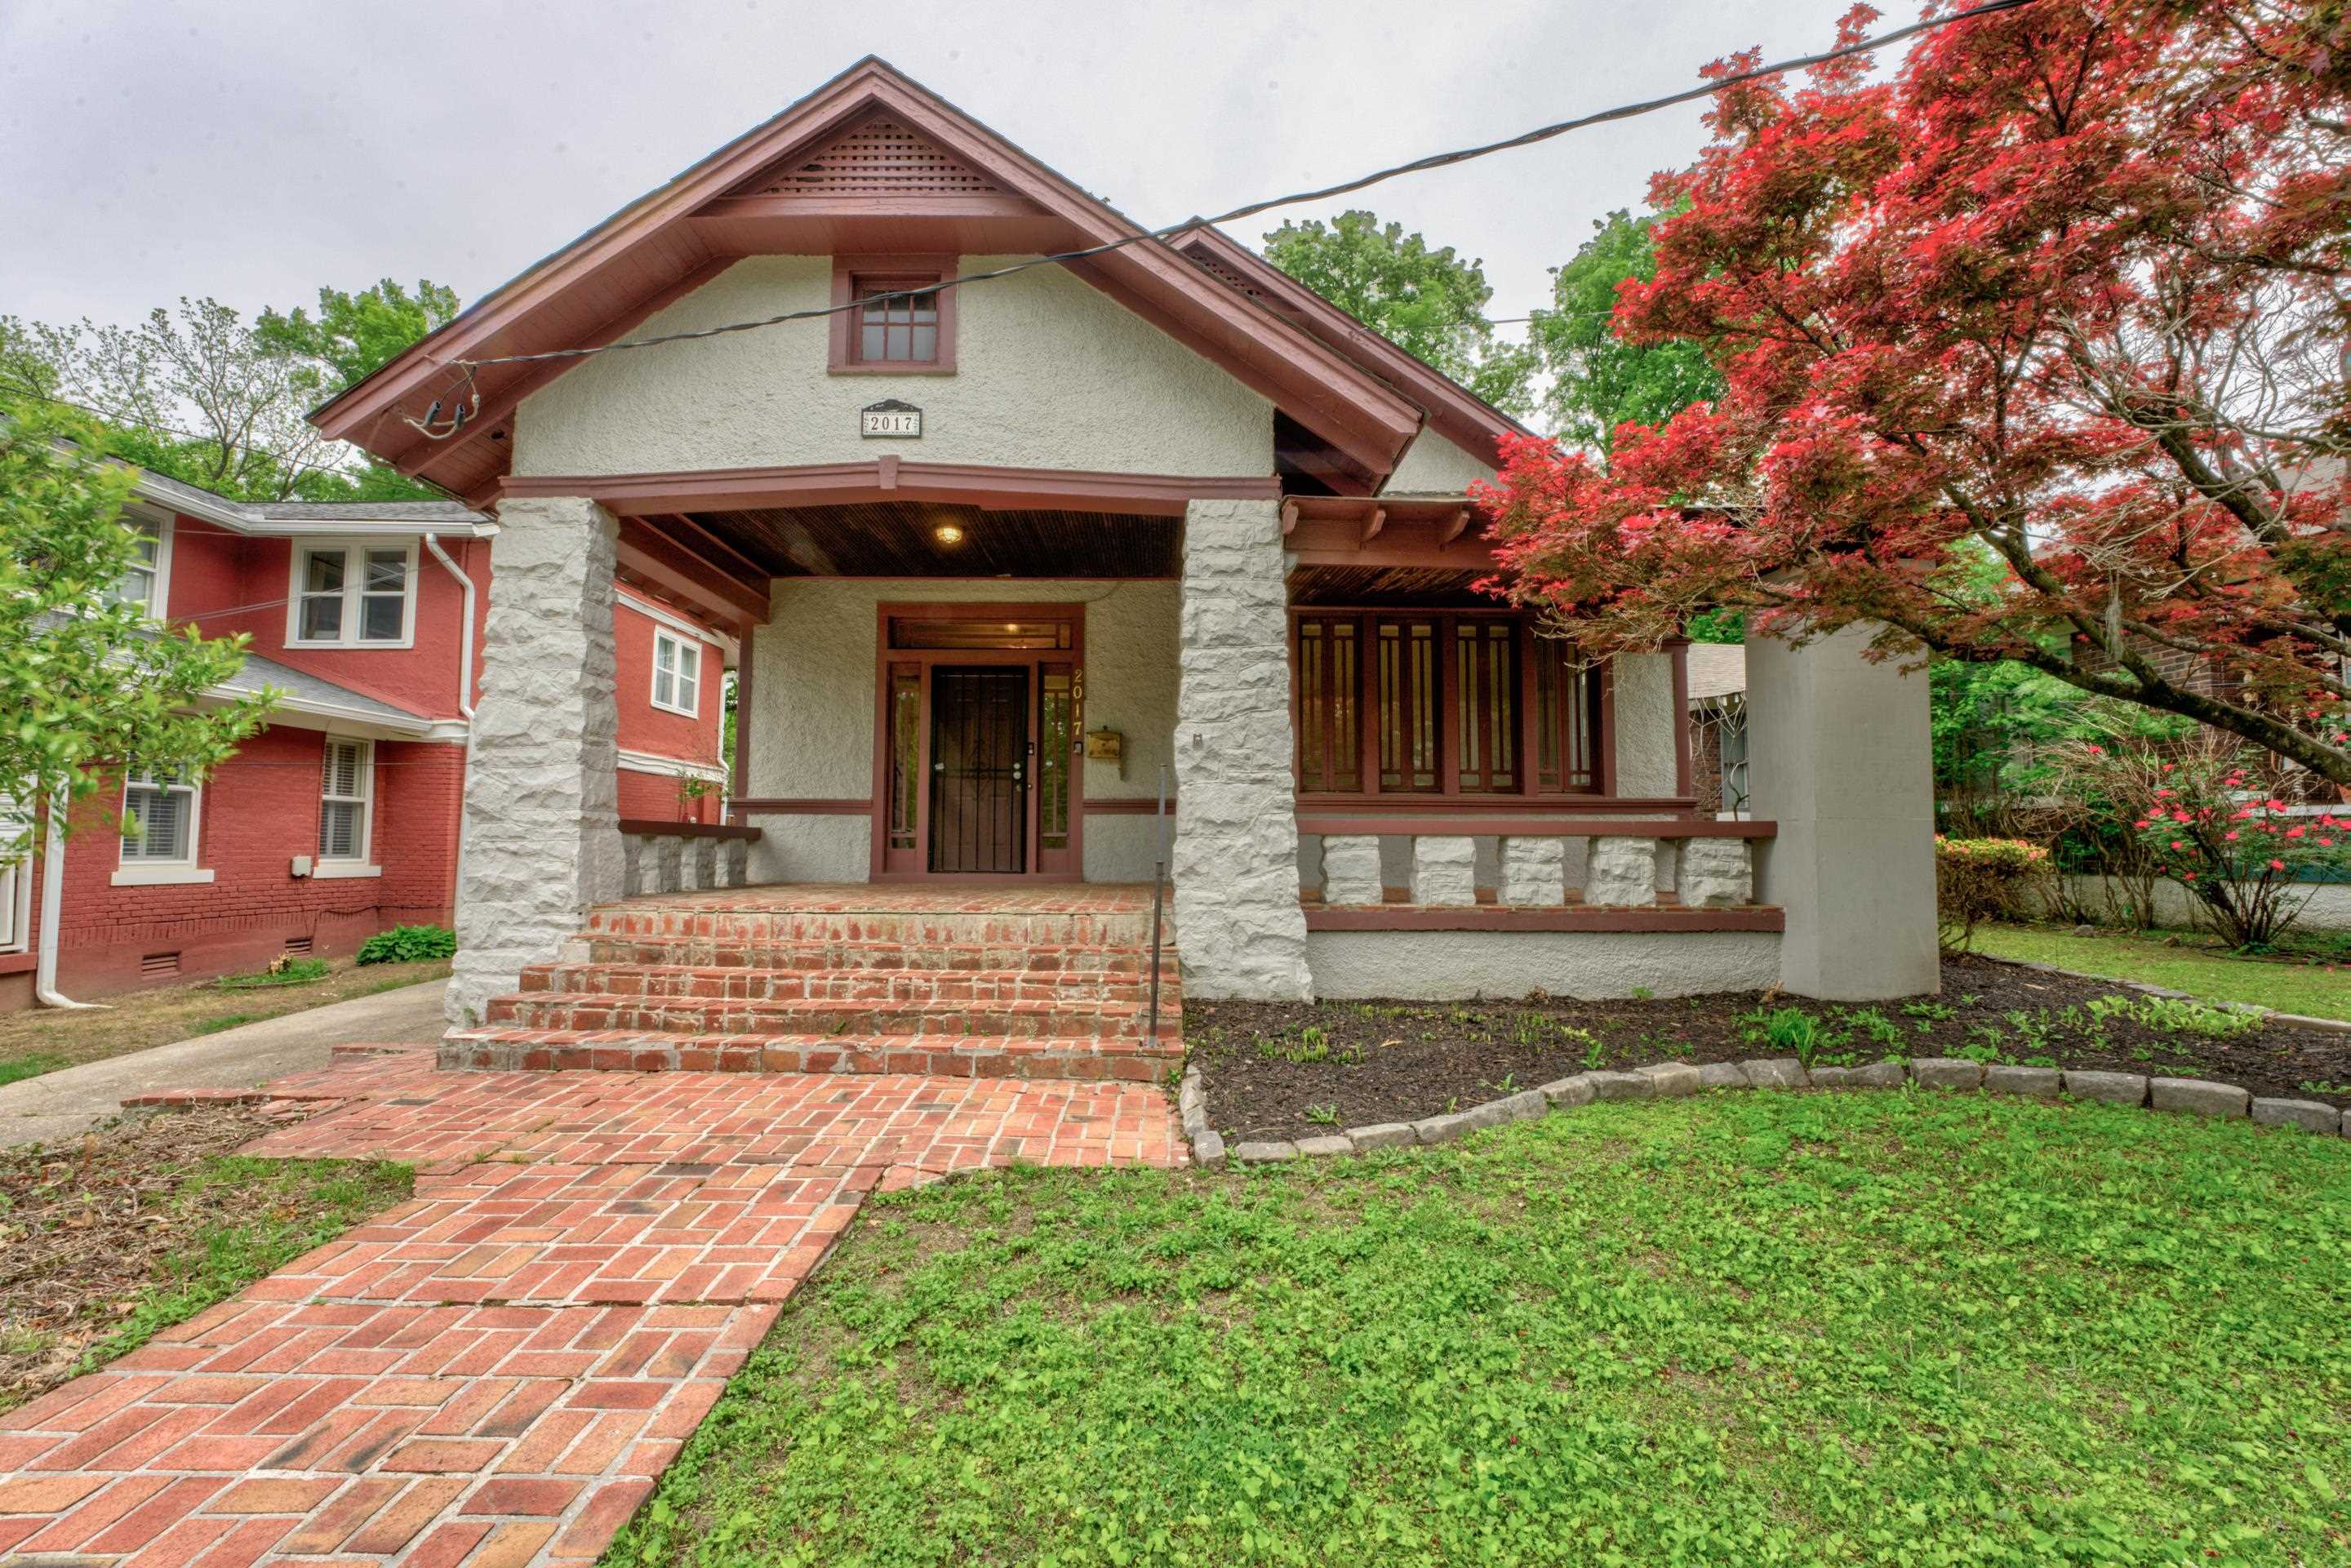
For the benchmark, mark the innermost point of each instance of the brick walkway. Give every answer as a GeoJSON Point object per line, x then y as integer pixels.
{"type": "Point", "coordinates": [493, 1373]}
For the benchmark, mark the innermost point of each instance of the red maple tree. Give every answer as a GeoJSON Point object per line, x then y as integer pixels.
{"type": "Point", "coordinates": [2034, 351]}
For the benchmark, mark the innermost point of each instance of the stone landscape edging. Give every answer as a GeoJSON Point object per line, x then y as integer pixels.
{"type": "Point", "coordinates": [1680, 1080]}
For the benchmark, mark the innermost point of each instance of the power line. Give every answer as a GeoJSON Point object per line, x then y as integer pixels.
{"type": "Point", "coordinates": [1250, 209]}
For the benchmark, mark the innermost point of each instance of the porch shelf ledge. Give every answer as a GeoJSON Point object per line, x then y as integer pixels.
{"type": "Point", "coordinates": [1660, 917]}
{"type": "Point", "coordinates": [1577, 822]}
{"type": "Point", "coordinates": [651, 827]}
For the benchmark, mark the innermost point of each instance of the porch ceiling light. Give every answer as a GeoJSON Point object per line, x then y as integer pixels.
{"type": "Point", "coordinates": [947, 534]}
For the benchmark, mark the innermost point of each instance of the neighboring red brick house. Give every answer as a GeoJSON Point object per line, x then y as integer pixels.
{"type": "Point", "coordinates": [341, 817]}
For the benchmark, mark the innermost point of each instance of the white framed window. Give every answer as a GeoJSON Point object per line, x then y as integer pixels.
{"type": "Point", "coordinates": [677, 673]}
{"type": "Point", "coordinates": [346, 808]}
{"type": "Point", "coordinates": [146, 582]}
{"type": "Point", "coordinates": [161, 810]}
{"type": "Point", "coordinates": [353, 594]}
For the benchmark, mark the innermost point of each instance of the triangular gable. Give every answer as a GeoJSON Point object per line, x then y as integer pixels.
{"type": "Point", "coordinates": [791, 185]}
{"type": "Point", "coordinates": [1454, 411]}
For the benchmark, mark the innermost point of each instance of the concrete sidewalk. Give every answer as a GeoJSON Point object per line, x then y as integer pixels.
{"type": "Point", "coordinates": [65, 1103]}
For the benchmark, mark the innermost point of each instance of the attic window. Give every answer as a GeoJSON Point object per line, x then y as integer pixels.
{"type": "Point", "coordinates": [891, 326]}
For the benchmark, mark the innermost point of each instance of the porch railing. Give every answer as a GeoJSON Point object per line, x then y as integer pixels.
{"type": "Point", "coordinates": [1545, 872]}
{"type": "Point", "coordinates": [683, 857]}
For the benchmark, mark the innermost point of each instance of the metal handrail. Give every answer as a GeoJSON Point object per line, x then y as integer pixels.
{"type": "Point", "coordinates": [1158, 878]}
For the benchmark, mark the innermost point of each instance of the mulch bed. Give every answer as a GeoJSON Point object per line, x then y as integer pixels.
{"type": "Point", "coordinates": [85, 1226]}
{"type": "Point", "coordinates": [1281, 1070]}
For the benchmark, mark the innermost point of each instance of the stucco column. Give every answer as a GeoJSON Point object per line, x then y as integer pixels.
{"type": "Point", "coordinates": [1838, 758]}
{"type": "Point", "coordinates": [542, 795]}
{"type": "Point", "coordinates": [1238, 920]}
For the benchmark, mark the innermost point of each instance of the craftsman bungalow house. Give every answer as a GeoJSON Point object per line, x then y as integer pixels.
{"type": "Point", "coordinates": [998, 556]}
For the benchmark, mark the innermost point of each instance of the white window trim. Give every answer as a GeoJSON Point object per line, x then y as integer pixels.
{"type": "Point", "coordinates": [135, 516]}
{"type": "Point", "coordinates": [351, 544]}
{"type": "Point", "coordinates": [132, 871]}
{"type": "Point", "coordinates": [160, 875]}
{"type": "Point", "coordinates": [664, 635]}
{"type": "Point", "coordinates": [361, 863]}
{"type": "Point", "coordinates": [675, 622]}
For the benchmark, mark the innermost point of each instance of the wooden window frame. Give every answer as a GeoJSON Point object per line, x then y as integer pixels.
{"type": "Point", "coordinates": [136, 868]}
{"type": "Point", "coordinates": [1525, 648]}
{"type": "Point", "coordinates": [678, 679]}
{"type": "Point", "coordinates": [354, 591]}
{"type": "Point", "coordinates": [363, 796]}
{"type": "Point", "coordinates": [848, 271]}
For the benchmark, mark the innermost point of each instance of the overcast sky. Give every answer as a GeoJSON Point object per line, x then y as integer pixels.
{"type": "Point", "coordinates": [254, 150]}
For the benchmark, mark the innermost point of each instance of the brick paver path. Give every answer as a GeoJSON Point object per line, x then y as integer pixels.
{"type": "Point", "coordinates": [493, 1373]}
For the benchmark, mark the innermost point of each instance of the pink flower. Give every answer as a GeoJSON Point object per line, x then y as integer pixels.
{"type": "Point", "coordinates": [2163, 794]}
{"type": "Point", "coordinates": [2179, 816]}
{"type": "Point", "coordinates": [2175, 844]}
{"type": "Point", "coordinates": [2277, 865]}
{"type": "Point", "coordinates": [2228, 837]}
{"type": "Point", "coordinates": [2169, 766]}
{"type": "Point", "coordinates": [2328, 842]}
{"type": "Point", "coordinates": [2100, 750]}
{"type": "Point", "coordinates": [2293, 832]}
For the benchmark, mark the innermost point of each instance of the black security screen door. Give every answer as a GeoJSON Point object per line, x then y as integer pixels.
{"type": "Point", "coordinates": [980, 770]}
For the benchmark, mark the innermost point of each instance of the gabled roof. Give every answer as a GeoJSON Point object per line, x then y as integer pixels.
{"type": "Point", "coordinates": [290, 519]}
{"type": "Point", "coordinates": [1454, 411]}
{"type": "Point", "coordinates": [866, 163]}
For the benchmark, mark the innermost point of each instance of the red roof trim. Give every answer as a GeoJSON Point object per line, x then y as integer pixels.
{"type": "Point", "coordinates": [1454, 411]}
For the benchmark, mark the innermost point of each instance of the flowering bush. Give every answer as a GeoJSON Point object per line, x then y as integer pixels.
{"type": "Point", "coordinates": [1976, 880]}
{"type": "Point", "coordinates": [2244, 856]}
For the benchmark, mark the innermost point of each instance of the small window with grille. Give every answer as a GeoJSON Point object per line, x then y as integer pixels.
{"type": "Point", "coordinates": [892, 316]}
{"type": "Point", "coordinates": [344, 791]}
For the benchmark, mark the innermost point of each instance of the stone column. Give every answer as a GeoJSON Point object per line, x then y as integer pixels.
{"type": "Point", "coordinates": [542, 796]}
{"type": "Point", "coordinates": [1238, 925]}
{"type": "Point", "coordinates": [1535, 872]}
{"type": "Point", "coordinates": [1838, 758]}
{"type": "Point", "coordinates": [1350, 869]}
{"type": "Point", "coordinates": [1444, 869]}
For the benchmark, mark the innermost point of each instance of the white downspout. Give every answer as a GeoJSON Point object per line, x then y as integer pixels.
{"type": "Point", "coordinates": [465, 707]}
{"type": "Point", "coordinates": [53, 891]}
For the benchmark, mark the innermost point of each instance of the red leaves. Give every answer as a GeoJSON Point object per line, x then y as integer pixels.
{"type": "Point", "coordinates": [1994, 306]}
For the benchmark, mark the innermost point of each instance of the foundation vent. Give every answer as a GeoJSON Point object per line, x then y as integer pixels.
{"type": "Point", "coordinates": [298, 946]}
{"type": "Point", "coordinates": [157, 966]}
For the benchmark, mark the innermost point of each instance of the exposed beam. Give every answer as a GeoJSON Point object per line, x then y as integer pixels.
{"type": "Point", "coordinates": [894, 478]}
{"type": "Point", "coordinates": [679, 524]}
{"type": "Point", "coordinates": [1288, 518]}
{"type": "Point", "coordinates": [1454, 529]}
{"type": "Point", "coordinates": [1373, 523]}
{"type": "Point", "coordinates": [673, 568]}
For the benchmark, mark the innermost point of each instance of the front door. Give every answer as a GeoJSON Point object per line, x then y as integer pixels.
{"type": "Point", "coordinates": [980, 771]}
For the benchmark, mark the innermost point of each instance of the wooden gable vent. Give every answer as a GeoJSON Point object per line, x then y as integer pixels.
{"type": "Point", "coordinates": [879, 157]}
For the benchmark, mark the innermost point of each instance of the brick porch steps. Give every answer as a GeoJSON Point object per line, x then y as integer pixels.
{"type": "Point", "coordinates": [1097, 1057]}
{"type": "Point", "coordinates": [1075, 1018]}
{"type": "Point", "coordinates": [1033, 982]}
{"type": "Point", "coordinates": [874, 984]}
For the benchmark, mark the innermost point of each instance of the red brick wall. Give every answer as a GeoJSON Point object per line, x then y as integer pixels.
{"type": "Point", "coordinates": [258, 812]}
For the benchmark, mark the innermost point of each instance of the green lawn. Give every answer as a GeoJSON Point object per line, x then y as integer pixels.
{"type": "Point", "coordinates": [2313, 989]}
{"type": "Point", "coordinates": [1746, 1329]}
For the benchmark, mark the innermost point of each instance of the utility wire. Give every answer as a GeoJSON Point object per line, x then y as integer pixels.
{"type": "Point", "coordinates": [1250, 209]}
{"type": "Point", "coordinates": [134, 422]}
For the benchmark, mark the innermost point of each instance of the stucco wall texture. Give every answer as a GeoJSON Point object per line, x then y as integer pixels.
{"type": "Point", "coordinates": [1433, 465]}
{"type": "Point", "coordinates": [812, 711]}
{"type": "Point", "coordinates": [1050, 373]}
{"type": "Point", "coordinates": [1644, 701]}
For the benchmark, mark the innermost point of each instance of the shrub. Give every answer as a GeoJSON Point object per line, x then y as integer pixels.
{"type": "Point", "coordinates": [409, 945]}
{"type": "Point", "coordinates": [2244, 856]}
{"type": "Point", "coordinates": [1977, 880]}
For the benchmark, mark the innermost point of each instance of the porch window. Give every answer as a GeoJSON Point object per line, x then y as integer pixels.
{"type": "Point", "coordinates": [1056, 738]}
{"type": "Point", "coordinates": [895, 323]}
{"type": "Point", "coordinates": [1453, 704]}
{"type": "Point", "coordinates": [352, 596]}
{"type": "Point", "coordinates": [1567, 720]}
{"type": "Point", "coordinates": [1329, 688]}
{"type": "Point", "coordinates": [158, 808]}
{"type": "Point", "coordinates": [1409, 690]}
{"type": "Point", "coordinates": [1486, 703]}
{"type": "Point", "coordinates": [905, 752]}
{"type": "Point", "coordinates": [677, 673]}
{"type": "Point", "coordinates": [344, 790]}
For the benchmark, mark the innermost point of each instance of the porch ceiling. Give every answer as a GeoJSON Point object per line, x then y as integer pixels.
{"type": "Point", "coordinates": [1423, 587]}
{"type": "Point", "coordinates": [901, 538]}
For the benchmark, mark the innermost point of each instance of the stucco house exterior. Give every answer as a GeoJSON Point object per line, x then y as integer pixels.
{"type": "Point", "coordinates": [340, 818]}
{"type": "Point", "coordinates": [997, 556]}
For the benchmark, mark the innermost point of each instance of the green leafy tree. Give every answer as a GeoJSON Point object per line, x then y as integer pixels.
{"type": "Point", "coordinates": [1599, 379]}
{"type": "Point", "coordinates": [198, 393]}
{"type": "Point", "coordinates": [354, 335]}
{"type": "Point", "coordinates": [1429, 303]}
{"type": "Point", "coordinates": [88, 682]}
